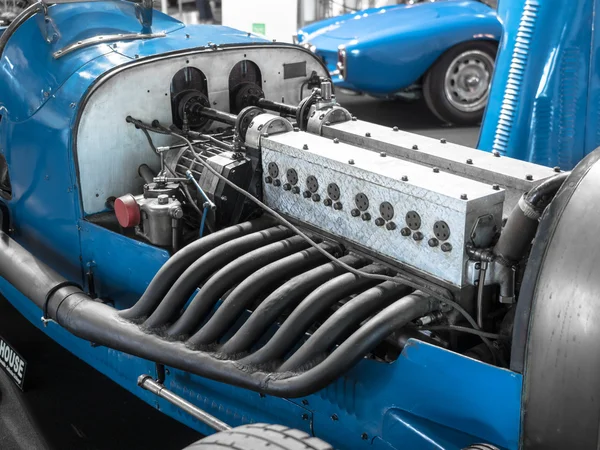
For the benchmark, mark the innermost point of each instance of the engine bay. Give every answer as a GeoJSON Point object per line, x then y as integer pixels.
{"type": "Point", "coordinates": [358, 225]}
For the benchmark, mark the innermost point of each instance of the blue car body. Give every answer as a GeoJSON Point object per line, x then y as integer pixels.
{"type": "Point", "coordinates": [429, 398]}
{"type": "Point", "coordinates": [389, 49]}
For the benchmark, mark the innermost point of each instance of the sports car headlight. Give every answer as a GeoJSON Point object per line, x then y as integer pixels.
{"type": "Point", "coordinates": [342, 60]}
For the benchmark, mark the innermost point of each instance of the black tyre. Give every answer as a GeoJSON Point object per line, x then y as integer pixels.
{"type": "Point", "coordinates": [456, 88]}
{"type": "Point", "coordinates": [260, 437]}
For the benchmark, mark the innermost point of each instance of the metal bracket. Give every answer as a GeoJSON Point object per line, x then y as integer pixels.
{"type": "Point", "coordinates": [102, 39]}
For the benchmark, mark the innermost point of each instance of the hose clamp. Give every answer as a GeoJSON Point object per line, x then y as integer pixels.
{"type": "Point", "coordinates": [528, 209]}
{"type": "Point", "coordinates": [49, 295]}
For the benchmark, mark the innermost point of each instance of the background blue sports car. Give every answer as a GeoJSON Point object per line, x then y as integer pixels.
{"type": "Point", "coordinates": [445, 50]}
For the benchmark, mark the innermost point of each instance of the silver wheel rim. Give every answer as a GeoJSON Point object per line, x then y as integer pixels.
{"type": "Point", "coordinates": [467, 81]}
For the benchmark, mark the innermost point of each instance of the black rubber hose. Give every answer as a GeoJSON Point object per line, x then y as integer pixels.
{"type": "Point", "coordinates": [101, 324]}
{"type": "Point", "coordinates": [544, 192]}
{"type": "Point", "coordinates": [342, 321]}
{"type": "Point", "coordinates": [245, 294]}
{"type": "Point", "coordinates": [175, 266]}
{"type": "Point", "coordinates": [146, 173]}
{"type": "Point", "coordinates": [203, 267]}
{"type": "Point", "coordinates": [234, 272]}
{"type": "Point", "coordinates": [286, 296]}
{"type": "Point", "coordinates": [309, 310]}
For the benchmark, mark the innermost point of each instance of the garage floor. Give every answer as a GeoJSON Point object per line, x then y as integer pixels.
{"type": "Point", "coordinates": [79, 409]}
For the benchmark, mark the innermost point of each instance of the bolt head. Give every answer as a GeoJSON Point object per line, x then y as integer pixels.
{"type": "Point", "coordinates": [305, 147]}
{"type": "Point", "coordinates": [328, 202]}
{"type": "Point", "coordinates": [354, 119]}
{"type": "Point", "coordinates": [390, 226]}
{"type": "Point", "coordinates": [316, 198]}
{"type": "Point", "coordinates": [163, 199]}
{"type": "Point", "coordinates": [351, 161]}
{"type": "Point", "coordinates": [436, 170]}
{"type": "Point", "coordinates": [287, 187]}
{"type": "Point", "coordinates": [268, 180]}
{"type": "Point", "coordinates": [529, 177]}
{"type": "Point", "coordinates": [364, 436]}
{"type": "Point", "coordinates": [415, 147]}
{"type": "Point", "coordinates": [557, 169]}
{"type": "Point", "coordinates": [446, 247]}
{"type": "Point", "coordinates": [496, 153]}
{"type": "Point", "coordinates": [469, 161]}
{"type": "Point", "coordinates": [335, 417]}
{"type": "Point", "coordinates": [418, 236]}
{"type": "Point", "coordinates": [276, 183]}
{"type": "Point", "coordinates": [327, 123]}
{"type": "Point", "coordinates": [404, 178]}
{"type": "Point", "coordinates": [379, 222]}
{"type": "Point", "coordinates": [355, 212]}
{"type": "Point", "coordinates": [395, 128]}
{"type": "Point", "coordinates": [295, 190]}
{"type": "Point", "coordinates": [366, 217]}
{"type": "Point", "coordinates": [307, 194]}
{"type": "Point", "coordinates": [336, 141]}
{"type": "Point", "coordinates": [496, 187]}
{"type": "Point", "coordinates": [367, 134]}
{"type": "Point", "coordinates": [433, 242]}
{"type": "Point", "coordinates": [337, 206]}
{"type": "Point", "coordinates": [443, 141]}
{"type": "Point", "coordinates": [296, 129]}
{"type": "Point", "coordinates": [405, 232]}
{"type": "Point", "coordinates": [464, 197]}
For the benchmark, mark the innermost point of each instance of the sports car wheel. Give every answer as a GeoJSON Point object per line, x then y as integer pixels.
{"type": "Point", "coordinates": [259, 436]}
{"type": "Point", "coordinates": [457, 86]}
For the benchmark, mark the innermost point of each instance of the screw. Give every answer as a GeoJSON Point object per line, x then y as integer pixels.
{"type": "Point", "coordinates": [415, 147]}
{"type": "Point", "coordinates": [383, 154]}
{"type": "Point", "coordinates": [529, 177]}
{"type": "Point", "coordinates": [307, 194]}
{"type": "Point", "coordinates": [328, 202]}
{"type": "Point", "coordinates": [496, 187]}
{"type": "Point", "coordinates": [336, 141]}
{"type": "Point", "coordinates": [364, 436]}
{"type": "Point", "coordinates": [367, 134]}
{"type": "Point", "coordinates": [72, 105]}
{"type": "Point", "coordinates": [335, 417]}
{"type": "Point", "coordinates": [304, 416]}
{"type": "Point", "coordinates": [379, 222]}
{"type": "Point", "coordinates": [405, 232]}
{"type": "Point", "coordinates": [268, 180]}
{"type": "Point", "coordinates": [305, 147]}
{"type": "Point", "coordinates": [557, 169]}
{"type": "Point", "coordinates": [351, 162]}
{"type": "Point", "coordinates": [404, 178]}
{"type": "Point", "coordinates": [390, 226]}
{"type": "Point", "coordinates": [463, 197]}
{"type": "Point", "coordinates": [277, 183]}
{"type": "Point", "coordinates": [295, 190]}
{"type": "Point", "coordinates": [446, 247]}
{"type": "Point", "coordinates": [395, 128]}
{"type": "Point", "coordinates": [354, 119]}
{"type": "Point", "coordinates": [469, 161]}
{"type": "Point", "coordinates": [418, 236]}
{"type": "Point", "coordinates": [436, 170]}
{"type": "Point", "coordinates": [355, 212]}
{"type": "Point", "coordinates": [287, 187]}
{"type": "Point", "coordinates": [443, 141]}
{"type": "Point", "coordinates": [433, 242]}
{"type": "Point", "coordinates": [305, 402]}
{"type": "Point", "coordinates": [496, 153]}
{"type": "Point", "coordinates": [316, 198]}
{"type": "Point", "coordinates": [337, 206]}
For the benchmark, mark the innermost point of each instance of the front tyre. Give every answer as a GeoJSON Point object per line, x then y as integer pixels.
{"type": "Point", "coordinates": [259, 436]}
{"type": "Point", "coordinates": [457, 87]}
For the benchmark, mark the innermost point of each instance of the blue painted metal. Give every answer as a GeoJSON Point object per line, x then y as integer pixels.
{"type": "Point", "coordinates": [389, 49]}
{"type": "Point", "coordinates": [546, 90]}
{"type": "Point", "coordinates": [428, 397]}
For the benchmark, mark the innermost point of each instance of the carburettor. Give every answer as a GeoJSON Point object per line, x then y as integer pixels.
{"type": "Point", "coordinates": [155, 215]}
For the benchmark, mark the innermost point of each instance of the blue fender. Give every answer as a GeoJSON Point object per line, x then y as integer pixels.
{"type": "Point", "coordinates": [397, 54]}
{"type": "Point", "coordinates": [545, 97]}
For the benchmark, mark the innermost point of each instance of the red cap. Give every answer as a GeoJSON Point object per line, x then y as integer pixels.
{"type": "Point", "coordinates": [127, 211]}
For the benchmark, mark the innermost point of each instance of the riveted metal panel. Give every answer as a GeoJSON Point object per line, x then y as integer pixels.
{"type": "Point", "coordinates": [434, 196]}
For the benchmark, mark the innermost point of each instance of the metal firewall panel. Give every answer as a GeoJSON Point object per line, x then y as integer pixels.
{"type": "Point", "coordinates": [365, 181]}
